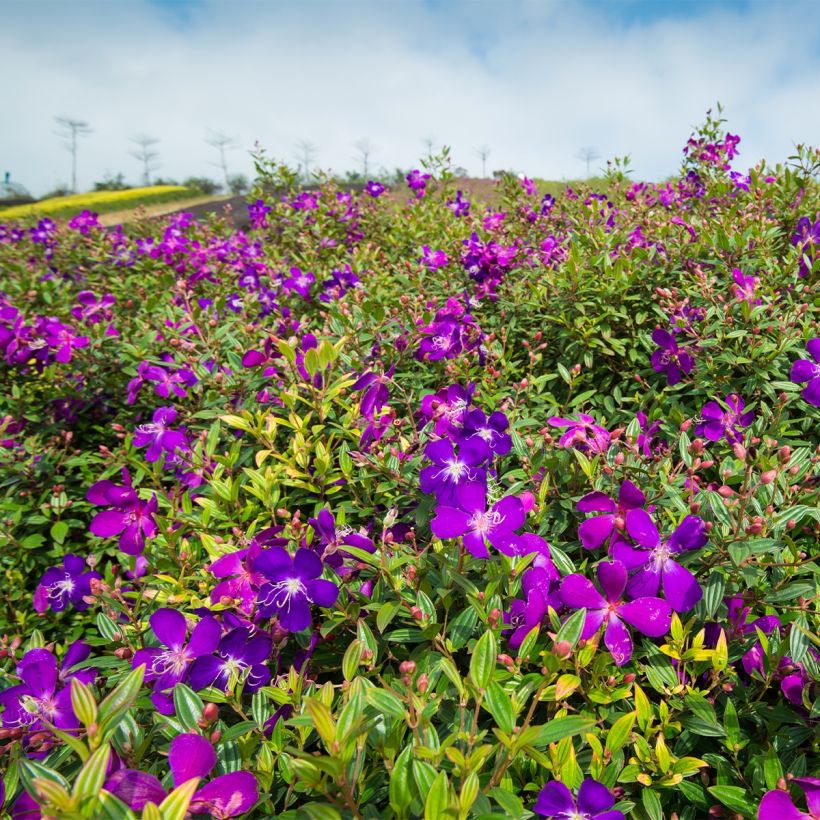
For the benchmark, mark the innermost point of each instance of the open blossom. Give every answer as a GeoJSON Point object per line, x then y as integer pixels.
{"type": "Point", "coordinates": [190, 756]}
{"type": "Point", "coordinates": [240, 656]}
{"type": "Point", "coordinates": [43, 696]}
{"type": "Point", "coordinates": [808, 372]}
{"type": "Point", "coordinates": [595, 802]}
{"type": "Point", "coordinates": [293, 584]}
{"type": "Point", "coordinates": [540, 586]}
{"type": "Point", "coordinates": [653, 558]}
{"type": "Point", "coordinates": [447, 408]}
{"type": "Point", "coordinates": [744, 287]}
{"type": "Point", "coordinates": [449, 469]}
{"type": "Point", "coordinates": [718, 421]}
{"type": "Point", "coordinates": [157, 436]}
{"type": "Point", "coordinates": [129, 517]}
{"type": "Point", "coordinates": [492, 430]}
{"type": "Point", "coordinates": [671, 359]}
{"type": "Point", "coordinates": [300, 281]}
{"type": "Point", "coordinates": [459, 206]}
{"type": "Point", "coordinates": [778, 805]}
{"type": "Point", "coordinates": [63, 339]}
{"type": "Point", "coordinates": [61, 586]}
{"type": "Point", "coordinates": [582, 434]}
{"type": "Point", "coordinates": [169, 665]}
{"type": "Point", "coordinates": [258, 214]}
{"type": "Point", "coordinates": [433, 259]}
{"type": "Point", "coordinates": [649, 615]}
{"type": "Point", "coordinates": [374, 189]}
{"type": "Point", "coordinates": [468, 516]}
{"type": "Point", "coordinates": [596, 530]}
{"type": "Point", "coordinates": [331, 539]}
{"type": "Point", "coordinates": [417, 182]}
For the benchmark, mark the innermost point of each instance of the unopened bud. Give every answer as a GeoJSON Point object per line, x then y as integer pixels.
{"type": "Point", "coordinates": [768, 477]}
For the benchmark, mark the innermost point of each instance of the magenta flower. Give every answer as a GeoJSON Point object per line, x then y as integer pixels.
{"type": "Point", "coordinates": [240, 656]}
{"type": "Point", "coordinates": [778, 805]}
{"type": "Point", "coordinates": [744, 287]}
{"type": "Point", "coordinates": [595, 802]}
{"type": "Point", "coordinates": [447, 408]}
{"type": "Point", "coordinates": [63, 339]}
{"type": "Point", "coordinates": [374, 189]}
{"type": "Point", "coordinates": [805, 370]}
{"type": "Point", "coordinates": [654, 562]}
{"type": "Point", "coordinates": [157, 436]}
{"type": "Point", "coordinates": [129, 517]}
{"type": "Point", "coordinates": [300, 281]}
{"type": "Point", "coordinates": [459, 206]}
{"type": "Point", "coordinates": [469, 517]}
{"type": "Point", "coordinates": [594, 531]}
{"type": "Point", "coordinates": [190, 756]}
{"type": "Point", "coordinates": [331, 540]}
{"type": "Point", "coordinates": [433, 259]}
{"type": "Point", "coordinates": [449, 469]}
{"type": "Point", "coordinates": [718, 421]}
{"type": "Point", "coordinates": [582, 434]}
{"type": "Point", "coordinates": [540, 585]}
{"type": "Point", "coordinates": [84, 222]}
{"type": "Point", "coordinates": [257, 213]}
{"type": "Point", "coordinates": [492, 430]}
{"type": "Point", "coordinates": [671, 359]}
{"type": "Point", "coordinates": [61, 586]}
{"type": "Point", "coordinates": [170, 665]}
{"type": "Point", "coordinates": [294, 583]}
{"type": "Point", "coordinates": [649, 615]}
{"type": "Point", "coordinates": [240, 582]}
{"type": "Point", "coordinates": [43, 697]}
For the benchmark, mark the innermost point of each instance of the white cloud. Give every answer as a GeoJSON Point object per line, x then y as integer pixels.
{"type": "Point", "coordinates": [533, 80]}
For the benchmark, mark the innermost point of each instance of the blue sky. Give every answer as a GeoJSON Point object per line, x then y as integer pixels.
{"type": "Point", "coordinates": [535, 80]}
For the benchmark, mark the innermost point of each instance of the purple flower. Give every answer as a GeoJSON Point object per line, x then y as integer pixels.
{"type": "Point", "coordinates": [240, 656]}
{"type": "Point", "coordinates": [594, 531]}
{"type": "Point", "coordinates": [650, 616]}
{"type": "Point", "coordinates": [805, 370]}
{"type": "Point", "coordinates": [129, 517]}
{"type": "Point", "coordinates": [190, 756]}
{"type": "Point", "coordinates": [459, 206]}
{"type": "Point", "coordinates": [654, 559]}
{"type": "Point", "coordinates": [158, 438]}
{"type": "Point", "coordinates": [376, 393]}
{"type": "Point", "coordinates": [582, 434]}
{"type": "Point", "coordinates": [84, 222]}
{"type": "Point", "coordinates": [374, 189]}
{"type": "Point", "coordinates": [63, 338]}
{"type": "Point", "coordinates": [778, 805]}
{"type": "Point", "coordinates": [61, 586]}
{"type": "Point", "coordinates": [647, 443]}
{"type": "Point", "coordinates": [449, 469]}
{"type": "Point", "coordinates": [294, 584]}
{"type": "Point", "coordinates": [169, 666]}
{"type": "Point", "coordinates": [257, 213]}
{"type": "Point", "coordinates": [167, 381]}
{"type": "Point", "coordinates": [92, 310]}
{"type": "Point", "coordinates": [241, 580]}
{"type": "Point", "coordinates": [539, 584]}
{"type": "Point", "coordinates": [433, 259]}
{"type": "Point", "coordinates": [417, 182]}
{"type": "Point", "coordinates": [300, 281]}
{"type": "Point", "coordinates": [477, 524]}
{"type": "Point", "coordinates": [43, 698]}
{"type": "Point", "coordinates": [718, 421]}
{"type": "Point", "coordinates": [447, 408]}
{"type": "Point", "coordinates": [744, 287]}
{"type": "Point", "coordinates": [671, 359]}
{"type": "Point", "coordinates": [492, 430]}
{"type": "Point", "coordinates": [595, 802]}
{"type": "Point", "coordinates": [331, 540]}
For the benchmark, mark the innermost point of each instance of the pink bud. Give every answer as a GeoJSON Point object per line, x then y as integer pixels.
{"type": "Point", "coordinates": [768, 477]}
{"type": "Point", "coordinates": [527, 500]}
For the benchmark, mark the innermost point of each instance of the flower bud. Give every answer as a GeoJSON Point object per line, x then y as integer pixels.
{"type": "Point", "coordinates": [562, 649]}
{"type": "Point", "coordinates": [768, 477]}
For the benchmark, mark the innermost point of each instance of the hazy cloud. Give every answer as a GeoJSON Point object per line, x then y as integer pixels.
{"type": "Point", "coordinates": [533, 80]}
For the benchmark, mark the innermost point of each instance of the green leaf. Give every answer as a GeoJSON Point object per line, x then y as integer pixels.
{"type": "Point", "coordinates": [83, 702]}
{"type": "Point", "coordinates": [735, 799]}
{"type": "Point", "coordinates": [112, 808]}
{"type": "Point", "coordinates": [619, 733]}
{"type": "Point", "coordinates": [175, 806]}
{"type": "Point", "coordinates": [424, 775]}
{"type": "Point", "coordinates": [116, 705]}
{"type": "Point", "coordinates": [352, 658]}
{"type": "Point", "coordinates": [652, 803]}
{"type": "Point", "coordinates": [560, 728]}
{"type": "Point", "coordinates": [400, 779]}
{"type": "Point", "coordinates": [798, 639]}
{"type": "Point", "coordinates": [322, 720]}
{"type": "Point", "coordinates": [713, 594]}
{"type": "Point", "coordinates": [571, 629]}
{"type": "Point", "coordinates": [59, 530]}
{"type": "Point", "coordinates": [188, 706]}
{"type": "Point", "coordinates": [483, 660]}
{"type": "Point", "coordinates": [438, 798]}
{"type": "Point", "coordinates": [731, 723]}
{"type": "Point", "coordinates": [498, 704]}
{"type": "Point", "coordinates": [385, 702]}
{"type": "Point", "coordinates": [386, 614]}
{"type": "Point", "coordinates": [92, 776]}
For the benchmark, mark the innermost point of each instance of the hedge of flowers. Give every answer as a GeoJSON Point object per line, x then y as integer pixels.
{"type": "Point", "coordinates": [402, 505]}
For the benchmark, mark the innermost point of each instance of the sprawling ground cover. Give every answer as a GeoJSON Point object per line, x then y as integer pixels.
{"type": "Point", "coordinates": [418, 509]}
{"type": "Point", "coordinates": [100, 201]}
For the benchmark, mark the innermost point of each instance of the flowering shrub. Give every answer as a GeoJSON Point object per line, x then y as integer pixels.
{"type": "Point", "coordinates": [400, 504]}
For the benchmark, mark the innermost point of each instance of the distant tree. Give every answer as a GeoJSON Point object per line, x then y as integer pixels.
{"type": "Point", "coordinates": [483, 152]}
{"type": "Point", "coordinates": [459, 171]}
{"type": "Point", "coordinates": [111, 183]}
{"type": "Point", "coordinates": [429, 143]}
{"type": "Point", "coordinates": [202, 184]}
{"type": "Point", "coordinates": [238, 184]}
{"type": "Point", "coordinates": [305, 156]}
{"type": "Point", "coordinates": [70, 130]}
{"type": "Point", "coordinates": [165, 181]}
{"type": "Point", "coordinates": [588, 155]}
{"type": "Point", "coordinates": [365, 150]}
{"type": "Point", "coordinates": [223, 143]}
{"type": "Point", "coordinates": [144, 152]}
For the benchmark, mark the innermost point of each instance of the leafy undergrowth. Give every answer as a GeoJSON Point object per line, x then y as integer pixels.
{"type": "Point", "coordinates": [421, 509]}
